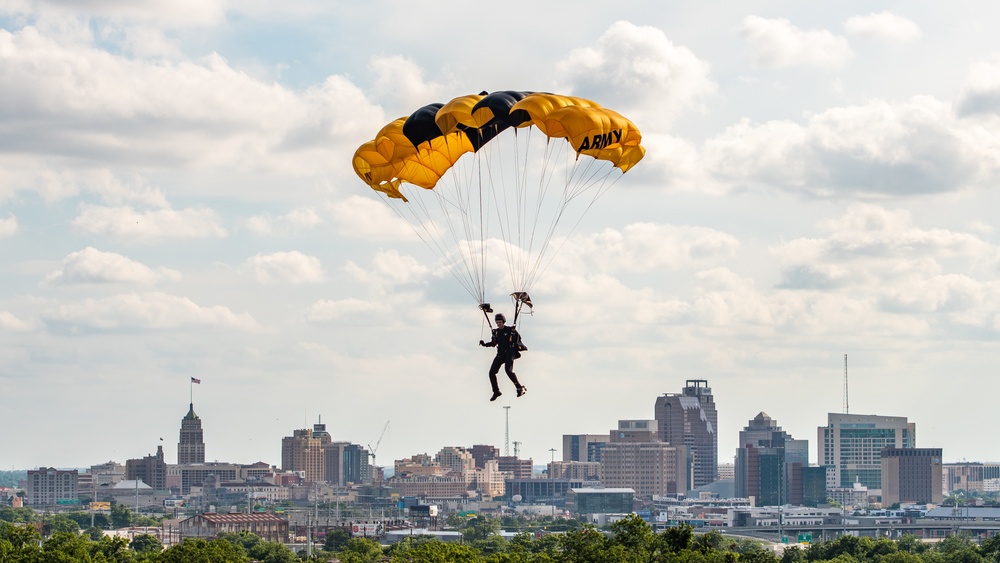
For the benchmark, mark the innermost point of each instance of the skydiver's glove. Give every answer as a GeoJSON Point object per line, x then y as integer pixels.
{"type": "Point", "coordinates": [481, 343]}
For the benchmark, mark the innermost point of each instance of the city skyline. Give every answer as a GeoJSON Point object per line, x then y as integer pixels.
{"type": "Point", "coordinates": [178, 200]}
{"type": "Point", "coordinates": [185, 430]}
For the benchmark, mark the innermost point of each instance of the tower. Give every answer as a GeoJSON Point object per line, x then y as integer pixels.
{"type": "Point", "coordinates": [689, 419]}
{"type": "Point", "coordinates": [769, 463]}
{"type": "Point", "coordinates": [191, 447]}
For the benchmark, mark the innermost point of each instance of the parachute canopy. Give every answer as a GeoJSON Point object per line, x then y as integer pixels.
{"type": "Point", "coordinates": [497, 174]}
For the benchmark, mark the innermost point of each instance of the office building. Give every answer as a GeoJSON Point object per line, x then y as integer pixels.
{"type": "Point", "coordinates": [302, 451]}
{"type": "Point", "coordinates": [635, 458]}
{"type": "Point", "coordinates": [769, 463]}
{"type": "Point", "coordinates": [689, 420]}
{"type": "Point", "coordinates": [48, 486]}
{"type": "Point", "coordinates": [517, 467]}
{"type": "Point", "coordinates": [151, 470]}
{"type": "Point", "coordinates": [482, 453]}
{"type": "Point", "coordinates": [191, 446]}
{"type": "Point", "coordinates": [969, 476]}
{"type": "Point", "coordinates": [851, 446]}
{"type": "Point", "coordinates": [583, 447]}
{"type": "Point", "coordinates": [911, 475]}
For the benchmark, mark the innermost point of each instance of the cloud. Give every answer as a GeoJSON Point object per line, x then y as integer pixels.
{"type": "Point", "coordinates": [776, 43]}
{"type": "Point", "coordinates": [96, 107]}
{"type": "Point", "coordinates": [10, 323]}
{"type": "Point", "coordinates": [980, 93]}
{"type": "Point", "coordinates": [284, 225]}
{"type": "Point", "coordinates": [401, 87]}
{"type": "Point", "coordinates": [884, 26]}
{"type": "Point", "coordinates": [366, 217]}
{"type": "Point", "coordinates": [94, 266]}
{"type": "Point", "coordinates": [389, 268]}
{"type": "Point", "coordinates": [348, 310]}
{"type": "Point", "coordinates": [644, 247]}
{"type": "Point", "coordinates": [168, 12]}
{"type": "Point", "coordinates": [128, 223]}
{"type": "Point", "coordinates": [8, 226]}
{"type": "Point", "coordinates": [880, 255]}
{"type": "Point", "coordinates": [915, 146]}
{"type": "Point", "coordinates": [286, 267]}
{"type": "Point", "coordinates": [151, 310]}
{"type": "Point", "coordinates": [649, 78]}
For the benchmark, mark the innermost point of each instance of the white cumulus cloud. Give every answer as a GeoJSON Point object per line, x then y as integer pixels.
{"type": "Point", "coordinates": [95, 266]}
{"type": "Point", "coordinates": [884, 26]}
{"type": "Point", "coordinates": [980, 94]}
{"type": "Point", "coordinates": [126, 222]}
{"type": "Point", "coordinates": [777, 43]}
{"type": "Point", "coordinates": [11, 323]}
{"type": "Point", "coordinates": [151, 310]}
{"type": "Point", "coordinates": [286, 267]}
{"type": "Point", "coordinates": [283, 225]}
{"type": "Point", "coordinates": [367, 217]}
{"type": "Point", "coordinates": [646, 76]}
{"type": "Point", "coordinates": [8, 226]}
{"type": "Point", "coordinates": [347, 310]}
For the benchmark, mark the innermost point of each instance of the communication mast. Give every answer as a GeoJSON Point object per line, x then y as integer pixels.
{"type": "Point", "coordinates": [847, 405]}
{"type": "Point", "coordinates": [506, 431]}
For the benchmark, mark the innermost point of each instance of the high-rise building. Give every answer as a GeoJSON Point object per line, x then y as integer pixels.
{"type": "Point", "coordinates": [969, 476]}
{"type": "Point", "coordinates": [151, 470]}
{"type": "Point", "coordinates": [635, 458]}
{"type": "Point", "coordinates": [48, 485]}
{"type": "Point", "coordinates": [851, 445]}
{"type": "Point", "coordinates": [769, 463]}
{"type": "Point", "coordinates": [191, 447]}
{"type": "Point", "coordinates": [482, 453]}
{"type": "Point", "coordinates": [459, 459]}
{"type": "Point", "coordinates": [911, 475]}
{"type": "Point", "coordinates": [304, 452]}
{"type": "Point", "coordinates": [689, 419]}
{"type": "Point", "coordinates": [583, 447]}
{"type": "Point", "coordinates": [517, 467]}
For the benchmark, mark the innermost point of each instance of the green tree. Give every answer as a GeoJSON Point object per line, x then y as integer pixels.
{"type": "Point", "coordinates": [336, 539]}
{"type": "Point", "coordinates": [19, 544]}
{"type": "Point", "coordinates": [121, 516]}
{"type": "Point", "coordinates": [361, 550]}
{"type": "Point", "coordinates": [62, 523]}
{"type": "Point", "coordinates": [677, 538]}
{"type": "Point", "coordinates": [146, 543]}
{"type": "Point", "coordinates": [634, 535]}
{"type": "Point", "coordinates": [201, 551]}
{"type": "Point", "coordinates": [793, 554]}
{"type": "Point", "coordinates": [66, 546]}
{"type": "Point", "coordinates": [22, 514]}
{"type": "Point", "coordinates": [271, 552]}
{"type": "Point", "coordinates": [437, 552]}
{"type": "Point", "coordinates": [910, 544]}
{"type": "Point", "coordinates": [480, 528]}
{"type": "Point", "coordinates": [94, 533]}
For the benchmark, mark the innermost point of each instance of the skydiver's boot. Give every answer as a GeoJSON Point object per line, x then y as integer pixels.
{"type": "Point", "coordinates": [495, 395]}
{"type": "Point", "coordinates": [521, 390]}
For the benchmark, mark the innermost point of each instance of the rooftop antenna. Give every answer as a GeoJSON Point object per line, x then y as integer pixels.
{"type": "Point", "coordinates": [506, 431]}
{"type": "Point", "coordinates": [517, 449]}
{"type": "Point", "coordinates": [847, 405]}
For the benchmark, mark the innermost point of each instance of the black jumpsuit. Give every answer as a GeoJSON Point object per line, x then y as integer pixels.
{"type": "Point", "coordinates": [506, 340]}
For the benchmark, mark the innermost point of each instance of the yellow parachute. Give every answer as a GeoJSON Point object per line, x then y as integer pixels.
{"type": "Point", "coordinates": [499, 172]}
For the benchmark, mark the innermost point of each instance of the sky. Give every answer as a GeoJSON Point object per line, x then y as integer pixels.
{"type": "Point", "coordinates": [177, 200]}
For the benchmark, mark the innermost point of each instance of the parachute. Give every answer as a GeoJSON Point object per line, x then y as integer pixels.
{"type": "Point", "coordinates": [508, 173]}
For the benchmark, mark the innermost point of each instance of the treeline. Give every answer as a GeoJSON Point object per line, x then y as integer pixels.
{"type": "Point", "coordinates": [628, 541]}
{"type": "Point", "coordinates": [11, 478]}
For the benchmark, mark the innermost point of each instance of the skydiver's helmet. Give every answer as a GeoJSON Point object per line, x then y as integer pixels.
{"type": "Point", "coordinates": [500, 317]}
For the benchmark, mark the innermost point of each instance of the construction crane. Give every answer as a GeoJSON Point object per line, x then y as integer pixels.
{"type": "Point", "coordinates": [371, 452]}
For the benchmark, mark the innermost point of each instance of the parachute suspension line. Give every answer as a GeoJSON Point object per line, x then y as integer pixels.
{"type": "Point", "coordinates": [603, 188]}
{"type": "Point", "coordinates": [555, 151]}
{"type": "Point", "coordinates": [405, 211]}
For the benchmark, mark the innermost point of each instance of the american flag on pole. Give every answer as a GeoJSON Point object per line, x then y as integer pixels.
{"type": "Point", "coordinates": [195, 380]}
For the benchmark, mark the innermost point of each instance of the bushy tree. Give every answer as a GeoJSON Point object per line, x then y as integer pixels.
{"type": "Point", "coordinates": [361, 550]}
{"type": "Point", "coordinates": [336, 539]}
{"type": "Point", "coordinates": [201, 551]}
{"type": "Point", "coordinates": [146, 543]}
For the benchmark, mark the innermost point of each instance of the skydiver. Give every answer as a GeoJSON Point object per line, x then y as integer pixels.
{"type": "Point", "coordinates": [508, 344]}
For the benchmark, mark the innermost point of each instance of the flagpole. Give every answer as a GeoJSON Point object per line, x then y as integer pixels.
{"type": "Point", "coordinates": [191, 388]}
